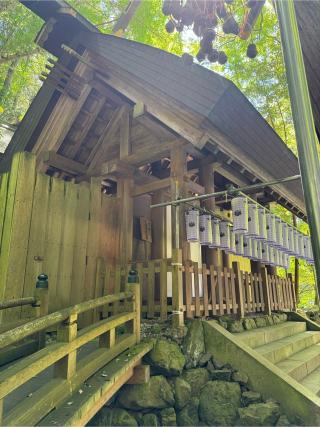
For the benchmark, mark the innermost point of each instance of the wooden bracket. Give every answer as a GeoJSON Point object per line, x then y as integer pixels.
{"type": "Point", "coordinates": [116, 168]}
{"type": "Point", "coordinates": [141, 375]}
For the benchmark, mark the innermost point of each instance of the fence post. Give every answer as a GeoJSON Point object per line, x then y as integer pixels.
{"type": "Point", "coordinates": [42, 303]}
{"type": "Point", "coordinates": [133, 286]}
{"type": "Point", "coordinates": [177, 289]}
{"type": "Point", "coordinates": [238, 288]}
{"type": "Point", "coordinates": [294, 296]}
{"type": "Point", "coordinates": [67, 332]}
{"type": "Point", "coordinates": [265, 290]}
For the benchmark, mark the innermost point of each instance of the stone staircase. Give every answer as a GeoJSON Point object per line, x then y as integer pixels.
{"type": "Point", "coordinates": [292, 348]}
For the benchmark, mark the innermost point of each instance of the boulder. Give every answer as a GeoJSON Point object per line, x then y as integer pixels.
{"type": "Point", "coordinates": [222, 322]}
{"type": "Point", "coordinates": [157, 393]}
{"type": "Point", "coordinates": [249, 323]}
{"type": "Point", "coordinates": [166, 358]}
{"type": "Point", "coordinates": [235, 326]}
{"type": "Point", "coordinates": [150, 420]}
{"type": "Point", "coordinates": [219, 403]}
{"type": "Point", "coordinates": [193, 346]}
{"type": "Point", "coordinates": [269, 320]}
{"type": "Point", "coordinates": [204, 359]}
{"type": "Point", "coordinates": [189, 416]}
{"type": "Point", "coordinates": [283, 421]}
{"type": "Point", "coordinates": [249, 397]}
{"type": "Point", "coordinates": [221, 374]}
{"type": "Point", "coordinates": [283, 317]}
{"type": "Point", "coordinates": [276, 319]}
{"type": "Point", "coordinates": [240, 377]}
{"type": "Point", "coordinates": [168, 417]}
{"type": "Point", "coordinates": [260, 322]}
{"type": "Point", "coordinates": [197, 378]}
{"type": "Point", "coordinates": [217, 364]}
{"type": "Point", "coordinates": [182, 392]}
{"type": "Point", "coordinates": [259, 414]}
{"type": "Point", "coordinates": [114, 417]}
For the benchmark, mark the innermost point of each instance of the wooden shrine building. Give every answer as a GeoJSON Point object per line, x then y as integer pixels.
{"type": "Point", "coordinates": [117, 126]}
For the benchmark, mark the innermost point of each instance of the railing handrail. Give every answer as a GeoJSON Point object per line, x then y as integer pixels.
{"type": "Point", "coordinates": [44, 322]}
{"type": "Point", "coordinates": [17, 302]}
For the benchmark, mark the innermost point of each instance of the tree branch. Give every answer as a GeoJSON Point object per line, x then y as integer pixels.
{"type": "Point", "coordinates": [15, 56]}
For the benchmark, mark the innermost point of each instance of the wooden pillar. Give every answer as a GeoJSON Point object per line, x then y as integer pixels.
{"type": "Point", "coordinates": [296, 267]}
{"type": "Point", "coordinates": [126, 219]}
{"type": "Point", "coordinates": [180, 247]}
{"type": "Point", "coordinates": [206, 173]}
{"type": "Point", "coordinates": [159, 227]}
{"type": "Point", "coordinates": [238, 289]}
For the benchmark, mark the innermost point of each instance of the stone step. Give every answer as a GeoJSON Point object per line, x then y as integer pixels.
{"type": "Point", "coordinates": [261, 336]}
{"type": "Point", "coordinates": [301, 364]}
{"type": "Point", "coordinates": [279, 350]}
{"type": "Point", "coordinates": [312, 381]}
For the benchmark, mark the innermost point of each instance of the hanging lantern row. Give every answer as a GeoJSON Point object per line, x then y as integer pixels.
{"type": "Point", "coordinates": [259, 237]}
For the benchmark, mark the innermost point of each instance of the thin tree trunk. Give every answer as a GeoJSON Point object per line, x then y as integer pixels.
{"type": "Point", "coordinates": [15, 56]}
{"type": "Point", "coordinates": [8, 79]}
{"type": "Point", "coordinates": [296, 267]}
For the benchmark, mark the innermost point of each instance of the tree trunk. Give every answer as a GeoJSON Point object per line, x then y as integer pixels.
{"type": "Point", "coordinates": [8, 80]}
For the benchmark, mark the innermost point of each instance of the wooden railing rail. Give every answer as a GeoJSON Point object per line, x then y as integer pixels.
{"type": "Point", "coordinates": [17, 302]}
{"type": "Point", "coordinates": [68, 373]}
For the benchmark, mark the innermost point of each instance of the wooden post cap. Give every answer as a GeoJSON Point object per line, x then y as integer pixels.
{"type": "Point", "coordinates": [42, 281]}
{"type": "Point", "coordinates": [133, 276]}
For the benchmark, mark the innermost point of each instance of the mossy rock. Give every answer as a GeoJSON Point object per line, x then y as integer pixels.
{"type": "Point", "coordinates": [269, 320]}
{"type": "Point", "coordinates": [182, 392]}
{"type": "Point", "coordinates": [189, 416]}
{"type": "Point", "coordinates": [166, 358]}
{"type": "Point", "coordinates": [193, 346]}
{"type": "Point", "coordinates": [283, 422]}
{"type": "Point", "coordinates": [249, 397]}
{"type": "Point", "coordinates": [260, 322]}
{"type": "Point", "coordinates": [259, 414]}
{"type": "Point", "coordinates": [240, 377]}
{"type": "Point", "coordinates": [114, 417]}
{"type": "Point", "coordinates": [156, 394]}
{"type": "Point", "coordinates": [197, 378]}
{"type": "Point", "coordinates": [150, 420]}
{"type": "Point", "coordinates": [221, 374]}
{"type": "Point", "coordinates": [168, 417]}
{"type": "Point", "coordinates": [219, 403]}
{"type": "Point", "coordinates": [235, 326]}
{"type": "Point", "coordinates": [249, 323]}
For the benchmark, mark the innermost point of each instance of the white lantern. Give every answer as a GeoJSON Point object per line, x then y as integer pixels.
{"type": "Point", "coordinates": [271, 228]}
{"type": "Point", "coordinates": [260, 250]}
{"type": "Point", "coordinates": [301, 245]}
{"type": "Point", "coordinates": [290, 241]}
{"type": "Point", "coordinates": [224, 235]}
{"type": "Point", "coordinates": [205, 230]}
{"type": "Point", "coordinates": [285, 236]}
{"type": "Point", "coordinates": [215, 225]}
{"type": "Point", "coordinates": [239, 244]}
{"type": "Point", "coordinates": [279, 235]}
{"type": "Point", "coordinates": [232, 244]}
{"type": "Point", "coordinates": [253, 220]}
{"type": "Point", "coordinates": [296, 243]}
{"type": "Point", "coordinates": [262, 223]}
{"type": "Point", "coordinates": [239, 207]}
{"type": "Point", "coordinates": [265, 253]}
{"type": "Point", "coordinates": [254, 249]}
{"type": "Point", "coordinates": [192, 225]}
{"type": "Point", "coordinates": [247, 248]}
{"type": "Point", "coordinates": [272, 250]}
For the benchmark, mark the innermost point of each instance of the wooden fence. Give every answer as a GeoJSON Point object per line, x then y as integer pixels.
{"type": "Point", "coordinates": [69, 372]}
{"type": "Point", "coordinates": [206, 291]}
{"type": "Point", "coordinates": [52, 226]}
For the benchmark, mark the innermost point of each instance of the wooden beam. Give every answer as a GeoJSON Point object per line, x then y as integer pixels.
{"type": "Point", "coordinates": [99, 149]}
{"type": "Point", "coordinates": [194, 187]}
{"type": "Point", "coordinates": [125, 143]}
{"type": "Point", "coordinates": [50, 158]}
{"type": "Point", "coordinates": [151, 187]}
{"type": "Point", "coordinates": [116, 168]}
{"type": "Point", "coordinates": [157, 128]}
{"type": "Point", "coordinates": [154, 152]}
{"type": "Point", "coordinates": [141, 375]}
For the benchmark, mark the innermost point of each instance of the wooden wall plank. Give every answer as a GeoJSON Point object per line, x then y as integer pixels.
{"type": "Point", "coordinates": [63, 291]}
{"type": "Point", "coordinates": [196, 289]}
{"type": "Point", "coordinates": [188, 296]}
{"type": "Point", "coordinates": [205, 290]}
{"type": "Point", "coordinates": [226, 289]}
{"type": "Point", "coordinates": [220, 291]}
{"type": "Point", "coordinates": [17, 245]}
{"type": "Point", "coordinates": [150, 293]}
{"type": "Point", "coordinates": [3, 201]}
{"type": "Point", "coordinates": [80, 244]}
{"type": "Point", "coordinates": [36, 247]}
{"type": "Point", "coordinates": [53, 238]}
{"type": "Point", "coordinates": [163, 289]}
{"type": "Point", "coordinates": [213, 285]}
{"type": "Point", "coordinates": [233, 291]}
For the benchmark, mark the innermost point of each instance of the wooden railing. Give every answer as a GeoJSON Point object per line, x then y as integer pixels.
{"type": "Point", "coordinates": [205, 291]}
{"type": "Point", "coordinates": [69, 372]}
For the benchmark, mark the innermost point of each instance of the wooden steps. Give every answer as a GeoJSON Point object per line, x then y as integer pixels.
{"type": "Point", "coordinates": [291, 348]}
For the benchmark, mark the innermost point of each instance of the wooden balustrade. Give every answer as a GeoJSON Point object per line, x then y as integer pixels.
{"type": "Point", "coordinates": [68, 372]}
{"type": "Point", "coordinates": [207, 291]}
